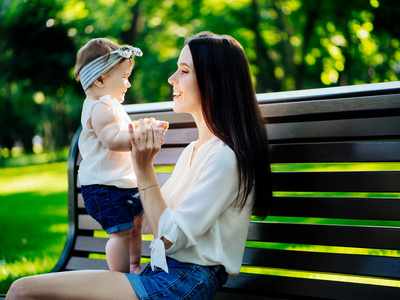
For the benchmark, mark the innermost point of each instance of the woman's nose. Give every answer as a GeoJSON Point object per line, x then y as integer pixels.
{"type": "Point", "coordinates": [171, 79]}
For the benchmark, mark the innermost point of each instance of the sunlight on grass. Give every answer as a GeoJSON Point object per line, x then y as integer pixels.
{"type": "Point", "coordinates": [60, 228]}
{"type": "Point", "coordinates": [34, 212]}
{"type": "Point", "coordinates": [43, 179]}
{"type": "Point", "coordinates": [26, 267]}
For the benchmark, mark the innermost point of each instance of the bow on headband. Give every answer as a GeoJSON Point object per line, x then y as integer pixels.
{"type": "Point", "coordinates": [101, 65]}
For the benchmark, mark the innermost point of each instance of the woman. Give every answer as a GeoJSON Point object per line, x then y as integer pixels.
{"type": "Point", "coordinates": [200, 217]}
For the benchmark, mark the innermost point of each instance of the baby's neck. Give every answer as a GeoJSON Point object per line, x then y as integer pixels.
{"type": "Point", "coordinates": [93, 93]}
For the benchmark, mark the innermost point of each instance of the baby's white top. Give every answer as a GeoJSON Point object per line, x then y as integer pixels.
{"type": "Point", "coordinates": [101, 165]}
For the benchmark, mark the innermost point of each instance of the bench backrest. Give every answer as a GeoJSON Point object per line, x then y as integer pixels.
{"type": "Point", "coordinates": [334, 230]}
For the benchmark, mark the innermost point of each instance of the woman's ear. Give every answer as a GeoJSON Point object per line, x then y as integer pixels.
{"type": "Point", "coordinates": [99, 82]}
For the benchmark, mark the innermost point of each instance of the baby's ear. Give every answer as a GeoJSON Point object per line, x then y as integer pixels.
{"type": "Point", "coordinates": [99, 82]}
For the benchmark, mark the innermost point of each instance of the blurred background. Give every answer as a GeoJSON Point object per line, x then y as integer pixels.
{"type": "Point", "coordinates": [290, 44]}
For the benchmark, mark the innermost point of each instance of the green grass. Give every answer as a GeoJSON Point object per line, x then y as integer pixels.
{"type": "Point", "coordinates": [33, 220]}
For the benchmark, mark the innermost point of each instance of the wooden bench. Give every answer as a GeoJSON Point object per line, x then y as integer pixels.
{"type": "Point", "coordinates": [336, 163]}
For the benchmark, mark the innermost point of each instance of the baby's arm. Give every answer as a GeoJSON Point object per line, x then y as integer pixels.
{"type": "Point", "coordinates": [107, 129]}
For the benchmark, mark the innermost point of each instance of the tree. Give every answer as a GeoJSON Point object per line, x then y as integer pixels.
{"type": "Point", "coordinates": [290, 44]}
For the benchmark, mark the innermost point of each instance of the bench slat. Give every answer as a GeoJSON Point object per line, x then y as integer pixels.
{"type": "Point", "coordinates": [373, 181]}
{"type": "Point", "coordinates": [168, 156]}
{"type": "Point", "coordinates": [181, 136]}
{"type": "Point", "coordinates": [169, 117]}
{"type": "Point", "coordinates": [338, 208]}
{"type": "Point", "coordinates": [97, 245]}
{"type": "Point", "coordinates": [86, 222]}
{"type": "Point", "coordinates": [84, 263]}
{"type": "Point", "coordinates": [313, 152]}
{"type": "Point", "coordinates": [336, 106]}
{"type": "Point", "coordinates": [356, 129]}
{"type": "Point", "coordinates": [162, 178]}
{"type": "Point", "coordinates": [370, 237]}
{"type": "Point", "coordinates": [336, 152]}
{"type": "Point", "coordinates": [80, 202]}
{"type": "Point", "coordinates": [364, 265]}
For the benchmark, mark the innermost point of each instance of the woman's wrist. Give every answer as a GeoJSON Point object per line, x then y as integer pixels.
{"type": "Point", "coordinates": [146, 178]}
{"type": "Point", "coordinates": [148, 187]}
{"type": "Point", "coordinates": [144, 172]}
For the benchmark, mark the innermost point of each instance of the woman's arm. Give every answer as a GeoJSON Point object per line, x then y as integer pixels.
{"type": "Point", "coordinates": [145, 145]}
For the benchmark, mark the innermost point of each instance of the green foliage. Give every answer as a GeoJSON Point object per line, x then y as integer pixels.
{"type": "Point", "coordinates": [291, 44]}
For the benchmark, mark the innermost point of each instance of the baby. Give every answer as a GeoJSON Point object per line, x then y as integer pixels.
{"type": "Point", "coordinates": [109, 186]}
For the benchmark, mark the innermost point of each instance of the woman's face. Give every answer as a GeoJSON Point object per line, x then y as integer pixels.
{"type": "Point", "coordinates": [186, 91]}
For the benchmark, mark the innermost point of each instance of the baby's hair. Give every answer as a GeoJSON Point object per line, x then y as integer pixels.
{"type": "Point", "coordinates": [93, 49]}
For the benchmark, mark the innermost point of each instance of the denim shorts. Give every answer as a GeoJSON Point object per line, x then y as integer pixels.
{"type": "Point", "coordinates": [113, 208]}
{"type": "Point", "coordinates": [184, 281]}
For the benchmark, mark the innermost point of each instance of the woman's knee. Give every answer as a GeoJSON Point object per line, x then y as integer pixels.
{"type": "Point", "coordinates": [20, 289]}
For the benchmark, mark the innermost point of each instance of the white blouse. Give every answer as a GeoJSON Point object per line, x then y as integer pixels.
{"type": "Point", "coordinates": [101, 165]}
{"type": "Point", "coordinates": [200, 219]}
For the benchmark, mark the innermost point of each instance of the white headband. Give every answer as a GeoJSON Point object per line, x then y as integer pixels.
{"type": "Point", "coordinates": [101, 65]}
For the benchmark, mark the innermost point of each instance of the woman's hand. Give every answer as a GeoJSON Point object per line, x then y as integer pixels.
{"type": "Point", "coordinates": [146, 142]}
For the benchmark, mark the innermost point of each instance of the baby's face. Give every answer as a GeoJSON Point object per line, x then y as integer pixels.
{"type": "Point", "coordinates": [116, 81]}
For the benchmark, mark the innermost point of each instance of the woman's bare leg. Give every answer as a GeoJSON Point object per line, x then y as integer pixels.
{"type": "Point", "coordinates": [85, 285]}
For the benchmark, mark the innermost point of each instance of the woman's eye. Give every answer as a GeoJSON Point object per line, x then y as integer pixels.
{"type": "Point", "coordinates": [184, 72]}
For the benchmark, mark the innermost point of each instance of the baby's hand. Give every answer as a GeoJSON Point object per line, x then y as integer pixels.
{"type": "Point", "coordinates": [148, 122]}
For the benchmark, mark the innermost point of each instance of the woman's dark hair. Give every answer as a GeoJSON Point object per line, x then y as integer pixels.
{"type": "Point", "coordinates": [232, 114]}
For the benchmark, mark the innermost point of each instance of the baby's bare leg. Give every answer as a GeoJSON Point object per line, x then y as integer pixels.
{"type": "Point", "coordinates": [117, 251]}
{"type": "Point", "coordinates": [136, 246]}
{"type": "Point", "coordinates": [73, 285]}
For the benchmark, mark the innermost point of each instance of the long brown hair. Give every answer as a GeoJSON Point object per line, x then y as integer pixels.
{"type": "Point", "coordinates": [232, 114]}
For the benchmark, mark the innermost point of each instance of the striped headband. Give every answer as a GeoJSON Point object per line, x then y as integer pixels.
{"type": "Point", "coordinates": [101, 65]}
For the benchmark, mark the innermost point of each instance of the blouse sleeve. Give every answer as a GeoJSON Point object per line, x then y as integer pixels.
{"type": "Point", "coordinates": [208, 197]}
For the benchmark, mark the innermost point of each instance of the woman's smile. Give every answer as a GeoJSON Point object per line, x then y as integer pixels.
{"type": "Point", "coordinates": [177, 95]}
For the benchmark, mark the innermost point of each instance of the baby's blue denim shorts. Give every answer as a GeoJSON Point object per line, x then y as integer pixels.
{"type": "Point", "coordinates": [113, 208]}
{"type": "Point", "coordinates": [184, 281]}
